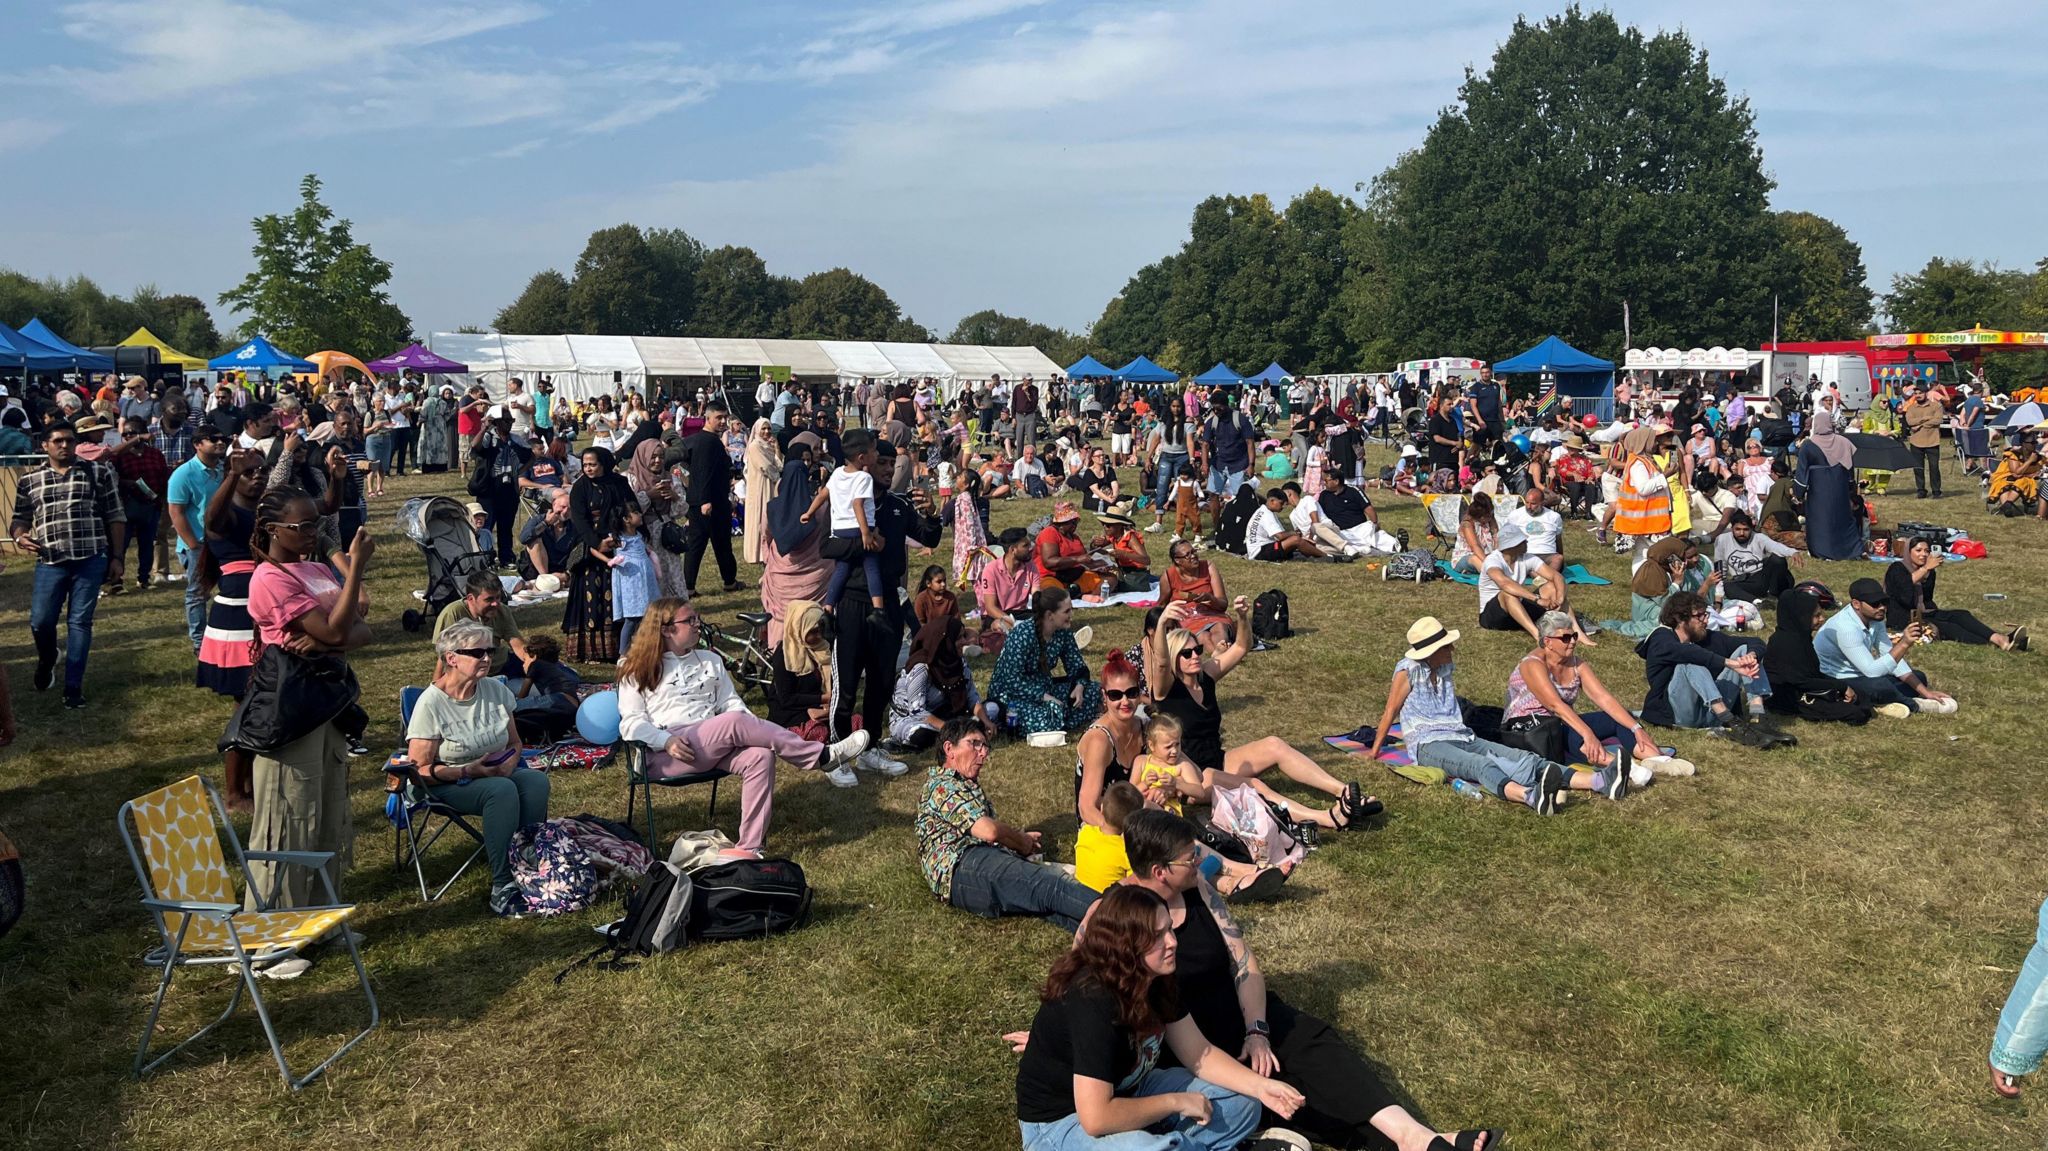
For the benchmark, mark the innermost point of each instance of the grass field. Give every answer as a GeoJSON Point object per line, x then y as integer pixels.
{"type": "Point", "coordinates": [1801, 950]}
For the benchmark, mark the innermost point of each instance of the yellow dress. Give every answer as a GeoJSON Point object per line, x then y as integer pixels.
{"type": "Point", "coordinates": [2017, 473]}
{"type": "Point", "coordinates": [1149, 773]}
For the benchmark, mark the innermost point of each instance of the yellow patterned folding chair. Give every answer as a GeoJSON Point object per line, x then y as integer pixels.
{"type": "Point", "coordinates": [174, 840]}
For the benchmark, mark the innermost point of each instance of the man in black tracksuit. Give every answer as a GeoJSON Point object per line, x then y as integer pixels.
{"type": "Point", "coordinates": [710, 500]}
{"type": "Point", "coordinates": [869, 645]}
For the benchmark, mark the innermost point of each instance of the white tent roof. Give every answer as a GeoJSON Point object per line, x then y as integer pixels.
{"type": "Point", "coordinates": [484, 352]}
{"type": "Point", "coordinates": [916, 360]}
{"type": "Point", "coordinates": [1025, 361]}
{"type": "Point", "coordinates": [801, 357]}
{"type": "Point", "coordinates": [857, 358]}
{"type": "Point", "coordinates": [723, 352]}
{"type": "Point", "coordinates": [596, 358]}
{"type": "Point", "coordinates": [970, 361]}
{"type": "Point", "coordinates": [672, 356]}
{"type": "Point", "coordinates": [531, 356]}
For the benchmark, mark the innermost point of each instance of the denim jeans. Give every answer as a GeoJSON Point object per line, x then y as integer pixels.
{"type": "Point", "coordinates": [2023, 1025]}
{"type": "Point", "coordinates": [1225, 483]}
{"type": "Point", "coordinates": [993, 882]}
{"type": "Point", "coordinates": [1170, 464]}
{"type": "Point", "coordinates": [142, 522]}
{"type": "Point", "coordinates": [1232, 1119]}
{"type": "Point", "coordinates": [195, 598]}
{"type": "Point", "coordinates": [77, 581]}
{"type": "Point", "coordinates": [1880, 690]}
{"type": "Point", "coordinates": [1480, 761]}
{"type": "Point", "coordinates": [1694, 689]}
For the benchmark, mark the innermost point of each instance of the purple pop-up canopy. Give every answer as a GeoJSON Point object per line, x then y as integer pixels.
{"type": "Point", "coordinates": [417, 359]}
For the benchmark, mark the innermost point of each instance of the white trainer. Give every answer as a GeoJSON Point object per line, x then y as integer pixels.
{"type": "Point", "coordinates": [291, 968]}
{"type": "Point", "coordinates": [873, 759]}
{"type": "Point", "coordinates": [1669, 765]}
{"type": "Point", "coordinates": [845, 749]}
{"type": "Point", "coordinates": [1155, 527]}
{"type": "Point", "coordinates": [842, 776]}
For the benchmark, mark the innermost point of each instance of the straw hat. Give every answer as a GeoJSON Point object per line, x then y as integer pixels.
{"type": "Point", "coordinates": [1428, 634]}
{"type": "Point", "coordinates": [91, 424]}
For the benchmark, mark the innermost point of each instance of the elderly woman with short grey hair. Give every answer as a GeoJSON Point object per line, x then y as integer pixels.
{"type": "Point", "coordinates": [465, 747]}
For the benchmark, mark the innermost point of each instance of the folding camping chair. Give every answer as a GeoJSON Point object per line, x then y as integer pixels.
{"type": "Point", "coordinates": [640, 785]}
{"type": "Point", "coordinates": [418, 820]}
{"type": "Point", "coordinates": [1444, 511]}
{"type": "Point", "coordinates": [174, 840]}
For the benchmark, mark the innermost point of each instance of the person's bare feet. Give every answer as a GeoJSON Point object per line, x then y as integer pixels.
{"type": "Point", "coordinates": [2006, 1085]}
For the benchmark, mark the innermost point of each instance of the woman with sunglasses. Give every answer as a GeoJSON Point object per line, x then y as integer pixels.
{"type": "Point", "coordinates": [464, 746]}
{"type": "Point", "coordinates": [1542, 716]}
{"type": "Point", "coordinates": [301, 788]}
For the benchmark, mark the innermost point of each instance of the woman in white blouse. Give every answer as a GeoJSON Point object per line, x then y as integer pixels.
{"type": "Point", "coordinates": [678, 702]}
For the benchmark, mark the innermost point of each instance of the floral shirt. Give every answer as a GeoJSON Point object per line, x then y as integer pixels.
{"type": "Point", "coordinates": [945, 821]}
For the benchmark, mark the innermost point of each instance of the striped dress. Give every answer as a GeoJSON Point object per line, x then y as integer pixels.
{"type": "Point", "coordinates": [228, 649]}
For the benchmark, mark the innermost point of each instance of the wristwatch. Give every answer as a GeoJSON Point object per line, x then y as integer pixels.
{"type": "Point", "coordinates": [1260, 1028]}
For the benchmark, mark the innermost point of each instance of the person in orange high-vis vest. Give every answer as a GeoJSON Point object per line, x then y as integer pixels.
{"type": "Point", "coordinates": [1643, 510]}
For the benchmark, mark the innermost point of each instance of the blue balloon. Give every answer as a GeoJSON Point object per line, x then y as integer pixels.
{"type": "Point", "coordinates": [1522, 441]}
{"type": "Point", "coordinates": [598, 719]}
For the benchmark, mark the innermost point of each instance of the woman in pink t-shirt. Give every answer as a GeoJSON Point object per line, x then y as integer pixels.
{"type": "Point", "coordinates": [297, 603]}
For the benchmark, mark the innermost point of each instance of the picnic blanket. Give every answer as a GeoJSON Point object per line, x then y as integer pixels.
{"type": "Point", "coordinates": [1573, 573]}
{"type": "Point", "coordinates": [1395, 754]}
{"type": "Point", "coordinates": [1144, 598]}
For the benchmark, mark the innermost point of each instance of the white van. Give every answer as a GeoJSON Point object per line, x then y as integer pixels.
{"type": "Point", "coordinates": [1775, 370]}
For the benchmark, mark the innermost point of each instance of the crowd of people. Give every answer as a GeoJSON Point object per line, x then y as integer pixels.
{"type": "Point", "coordinates": [262, 494]}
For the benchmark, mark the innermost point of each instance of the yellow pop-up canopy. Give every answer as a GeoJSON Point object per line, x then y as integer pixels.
{"type": "Point", "coordinates": [144, 338]}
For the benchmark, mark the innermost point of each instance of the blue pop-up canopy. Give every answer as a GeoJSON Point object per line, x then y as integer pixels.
{"type": "Point", "coordinates": [1089, 368]}
{"type": "Point", "coordinates": [1273, 374]}
{"type": "Point", "coordinates": [1144, 371]}
{"type": "Point", "coordinates": [81, 359]}
{"type": "Point", "coordinates": [18, 351]}
{"type": "Point", "coordinates": [1587, 380]}
{"type": "Point", "coordinates": [258, 355]}
{"type": "Point", "coordinates": [1220, 376]}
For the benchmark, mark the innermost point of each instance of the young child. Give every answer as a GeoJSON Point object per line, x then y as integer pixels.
{"type": "Point", "coordinates": [934, 598]}
{"type": "Point", "coordinates": [633, 586]}
{"type": "Point", "coordinates": [546, 674]}
{"type": "Point", "coordinates": [851, 491]}
{"type": "Point", "coordinates": [1159, 772]}
{"type": "Point", "coordinates": [1099, 858]}
{"type": "Point", "coordinates": [1187, 505]}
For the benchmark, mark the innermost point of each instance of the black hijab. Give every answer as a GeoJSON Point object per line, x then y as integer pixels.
{"type": "Point", "coordinates": [1789, 658]}
{"type": "Point", "coordinates": [786, 510]}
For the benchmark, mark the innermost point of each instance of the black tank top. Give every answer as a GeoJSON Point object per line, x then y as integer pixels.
{"type": "Point", "coordinates": [1201, 724]}
{"type": "Point", "coordinates": [1117, 772]}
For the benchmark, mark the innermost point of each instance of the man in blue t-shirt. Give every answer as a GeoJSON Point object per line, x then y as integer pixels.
{"type": "Point", "coordinates": [1226, 445]}
{"type": "Point", "coordinates": [186, 495]}
{"type": "Point", "coordinates": [1485, 393]}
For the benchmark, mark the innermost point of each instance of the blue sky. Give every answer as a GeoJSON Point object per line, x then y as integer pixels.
{"type": "Point", "coordinates": [1022, 155]}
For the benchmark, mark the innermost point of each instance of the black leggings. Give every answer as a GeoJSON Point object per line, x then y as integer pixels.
{"type": "Point", "coordinates": [1341, 1091]}
{"type": "Point", "coordinates": [1960, 626]}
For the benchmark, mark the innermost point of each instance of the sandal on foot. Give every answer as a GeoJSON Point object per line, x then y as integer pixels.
{"type": "Point", "coordinates": [1466, 1140]}
{"type": "Point", "coordinates": [1263, 886]}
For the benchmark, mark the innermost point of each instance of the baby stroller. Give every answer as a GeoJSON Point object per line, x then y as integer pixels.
{"type": "Point", "coordinates": [441, 527]}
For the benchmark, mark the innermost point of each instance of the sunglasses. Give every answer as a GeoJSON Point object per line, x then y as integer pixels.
{"type": "Point", "coordinates": [474, 652]}
{"type": "Point", "coordinates": [690, 621]}
{"type": "Point", "coordinates": [1567, 637]}
{"type": "Point", "coordinates": [1191, 653]}
{"type": "Point", "coordinates": [1113, 694]}
{"type": "Point", "coordinates": [301, 526]}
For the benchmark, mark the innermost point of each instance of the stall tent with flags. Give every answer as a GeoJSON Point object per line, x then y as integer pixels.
{"type": "Point", "coordinates": [1569, 376]}
{"type": "Point", "coordinates": [259, 355]}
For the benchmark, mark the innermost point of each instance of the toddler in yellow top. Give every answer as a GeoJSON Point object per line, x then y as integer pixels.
{"type": "Point", "coordinates": [1159, 774]}
{"type": "Point", "coordinates": [1099, 858]}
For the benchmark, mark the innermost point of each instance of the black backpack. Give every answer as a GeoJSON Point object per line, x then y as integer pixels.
{"type": "Point", "coordinates": [1269, 616]}
{"type": "Point", "coordinates": [741, 899]}
{"type": "Point", "coordinates": [656, 921]}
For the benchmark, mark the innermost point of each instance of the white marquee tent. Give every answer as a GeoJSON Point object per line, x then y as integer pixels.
{"type": "Point", "coordinates": [581, 366]}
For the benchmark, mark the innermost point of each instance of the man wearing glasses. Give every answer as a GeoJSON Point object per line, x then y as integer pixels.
{"type": "Point", "coordinates": [976, 862]}
{"type": "Point", "coordinates": [69, 516]}
{"type": "Point", "coordinates": [1699, 676]}
{"type": "Point", "coordinates": [190, 488]}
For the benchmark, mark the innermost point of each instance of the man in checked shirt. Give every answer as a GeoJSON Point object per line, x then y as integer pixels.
{"type": "Point", "coordinates": [69, 515]}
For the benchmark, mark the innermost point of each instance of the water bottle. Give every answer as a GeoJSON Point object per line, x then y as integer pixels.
{"type": "Point", "coordinates": [1468, 789]}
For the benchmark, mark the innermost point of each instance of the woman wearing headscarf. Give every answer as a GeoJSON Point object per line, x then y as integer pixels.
{"type": "Point", "coordinates": [800, 690]}
{"type": "Point", "coordinates": [437, 429]}
{"type": "Point", "coordinates": [597, 514]}
{"type": "Point", "coordinates": [1798, 685]}
{"type": "Point", "coordinates": [762, 470]}
{"type": "Point", "coordinates": [794, 570]}
{"type": "Point", "coordinates": [1643, 510]}
{"type": "Point", "coordinates": [1826, 479]}
{"type": "Point", "coordinates": [644, 474]}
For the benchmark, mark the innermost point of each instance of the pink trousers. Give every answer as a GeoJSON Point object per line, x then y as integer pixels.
{"type": "Point", "coordinates": [745, 745]}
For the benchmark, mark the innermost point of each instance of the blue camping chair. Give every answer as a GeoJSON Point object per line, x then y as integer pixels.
{"type": "Point", "coordinates": [418, 820]}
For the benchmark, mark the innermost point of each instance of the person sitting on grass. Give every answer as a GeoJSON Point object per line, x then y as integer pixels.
{"type": "Point", "coordinates": [1698, 676]}
{"type": "Point", "coordinates": [1182, 681]}
{"type": "Point", "coordinates": [1855, 648]}
{"type": "Point", "coordinates": [1798, 686]}
{"type": "Point", "coordinates": [1752, 566]}
{"type": "Point", "coordinates": [1032, 696]}
{"type": "Point", "coordinates": [1909, 599]}
{"type": "Point", "coordinates": [1433, 726]}
{"type": "Point", "coordinates": [464, 748]}
{"type": "Point", "coordinates": [1267, 538]}
{"type": "Point", "coordinates": [1542, 715]}
{"type": "Point", "coordinates": [1099, 859]}
{"type": "Point", "coordinates": [1089, 1076]}
{"type": "Point", "coordinates": [1505, 601]}
{"type": "Point", "coordinates": [976, 862]}
{"type": "Point", "coordinates": [1345, 1102]}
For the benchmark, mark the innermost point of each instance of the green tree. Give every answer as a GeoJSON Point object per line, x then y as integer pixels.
{"type": "Point", "coordinates": [736, 297]}
{"type": "Point", "coordinates": [992, 328]}
{"type": "Point", "coordinates": [78, 310]}
{"type": "Point", "coordinates": [541, 309]}
{"type": "Point", "coordinates": [617, 290]}
{"type": "Point", "coordinates": [1315, 265]}
{"type": "Point", "coordinates": [1825, 296]}
{"type": "Point", "coordinates": [314, 287]}
{"type": "Point", "coordinates": [1133, 323]}
{"type": "Point", "coordinates": [1952, 295]}
{"type": "Point", "coordinates": [677, 257]}
{"type": "Point", "coordinates": [841, 305]}
{"type": "Point", "coordinates": [1590, 165]}
{"type": "Point", "coordinates": [182, 321]}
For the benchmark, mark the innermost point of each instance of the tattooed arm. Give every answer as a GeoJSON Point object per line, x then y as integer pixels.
{"type": "Point", "coordinates": [1257, 1052]}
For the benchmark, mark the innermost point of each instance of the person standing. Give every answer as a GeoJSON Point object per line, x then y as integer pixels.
{"type": "Point", "coordinates": [186, 496]}
{"type": "Point", "coordinates": [144, 476]}
{"type": "Point", "coordinates": [496, 463]}
{"type": "Point", "coordinates": [1024, 413]}
{"type": "Point", "coordinates": [398, 410]}
{"type": "Point", "coordinates": [868, 646]}
{"type": "Point", "coordinates": [1826, 479]}
{"type": "Point", "coordinates": [69, 516]}
{"type": "Point", "coordinates": [710, 500]}
{"type": "Point", "coordinates": [1922, 418]}
{"type": "Point", "coordinates": [544, 411]}
{"type": "Point", "coordinates": [173, 438]}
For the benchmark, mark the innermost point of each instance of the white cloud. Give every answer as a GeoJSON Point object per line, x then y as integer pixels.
{"type": "Point", "coordinates": [21, 134]}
